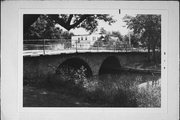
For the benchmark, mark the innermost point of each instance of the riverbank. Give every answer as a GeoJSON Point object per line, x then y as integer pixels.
{"type": "Point", "coordinates": [104, 91]}
{"type": "Point", "coordinates": [145, 67]}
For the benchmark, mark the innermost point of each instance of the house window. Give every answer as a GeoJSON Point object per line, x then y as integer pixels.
{"type": "Point", "coordinates": [81, 38]}
{"type": "Point", "coordinates": [85, 38]}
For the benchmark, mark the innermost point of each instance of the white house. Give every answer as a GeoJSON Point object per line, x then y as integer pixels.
{"type": "Point", "coordinates": [84, 41]}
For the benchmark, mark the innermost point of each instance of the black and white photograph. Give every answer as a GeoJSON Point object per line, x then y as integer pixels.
{"type": "Point", "coordinates": [92, 60]}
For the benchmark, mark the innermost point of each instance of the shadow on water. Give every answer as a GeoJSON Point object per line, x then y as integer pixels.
{"type": "Point", "coordinates": [74, 64]}
{"type": "Point", "coordinates": [110, 65]}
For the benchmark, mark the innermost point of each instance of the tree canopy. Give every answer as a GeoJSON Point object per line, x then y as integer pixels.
{"type": "Point", "coordinates": [68, 21]}
{"type": "Point", "coordinates": [148, 27]}
{"type": "Point", "coordinates": [109, 40]}
{"type": "Point", "coordinates": [117, 34]}
{"type": "Point", "coordinates": [43, 27]}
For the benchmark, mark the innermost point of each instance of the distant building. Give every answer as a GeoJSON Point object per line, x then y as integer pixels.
{"type": "Point", "coordinates": [84, 41]}
{"type": "Point", "coordinates": [87, 41]}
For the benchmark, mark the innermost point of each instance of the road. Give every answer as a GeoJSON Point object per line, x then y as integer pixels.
{"type": "Point", "coordinates": [66, 51]}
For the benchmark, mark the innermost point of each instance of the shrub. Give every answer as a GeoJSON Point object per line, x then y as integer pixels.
{"type": "Point", "coordinates": [111, 90]}
{"type": "Point", "coordinates": [149, 96]}
{"type": "Point", "coordinates": [106, 90]}
{"type": "Point", "coordinates": [123, 92]}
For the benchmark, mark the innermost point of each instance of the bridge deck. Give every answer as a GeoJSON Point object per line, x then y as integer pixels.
{"type": "Point", "coordinates": [55, 52]}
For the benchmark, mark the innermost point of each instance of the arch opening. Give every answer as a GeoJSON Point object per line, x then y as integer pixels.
{"type": "Point", "coordinates": [75, 64]}
{"type": "Point", "coordinates": [110, 65]}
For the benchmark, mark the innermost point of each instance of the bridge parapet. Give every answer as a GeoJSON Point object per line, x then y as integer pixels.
{"type": "Point", "coordinates": [44, 65]}
{"type": "Point", "coordinates": [56, 46]}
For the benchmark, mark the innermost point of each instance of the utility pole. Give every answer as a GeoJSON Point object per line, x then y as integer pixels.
{"type": "Point", "coordinates": [129, 38]}
{"type": "Point", "coordinates": [44, 46]}
{"type": "Point", "coordinates": [76, 46]}
{"type": "Point", "coordinates": [98, 46]}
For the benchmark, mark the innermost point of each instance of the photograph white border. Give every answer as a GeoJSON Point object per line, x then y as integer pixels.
{"type": "Point", "coordinates": [163, 14]}
{"type": "Point", "coordinates": [79, 7]}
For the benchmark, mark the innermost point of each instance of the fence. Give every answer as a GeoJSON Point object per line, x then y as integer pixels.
{"type": "Point", "coordinates": [64, 45]}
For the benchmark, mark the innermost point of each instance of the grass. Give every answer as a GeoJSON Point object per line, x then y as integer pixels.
{"type": "Point", "coordinates": [40, 97]}
{"type": "Point", "coordinates": [149, 97]}
{"type": "Point", "coordinates": [104, 91]}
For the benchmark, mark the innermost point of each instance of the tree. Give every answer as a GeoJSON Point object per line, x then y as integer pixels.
{"type": "Point", "coordinates": [66, 35]}
{"type": "Point", "coordinates": [103, 31]}
{"type": "Point", "coordinates": [71, 21]}
{"type": "Point", "coordinates": [107, 41]}
{"type": "Point", "coordinates": [126, 39]}
{"type": "Point", "coordinates": [117, 34]}
{"type": "Point", "coordinates": [149, 28]}
{"type": "Point", "coordinates": [135, 40]}
{"type": "Point", "coordinates": [42, 28]}
{"type": "Point", "coordinates": [103, 40]}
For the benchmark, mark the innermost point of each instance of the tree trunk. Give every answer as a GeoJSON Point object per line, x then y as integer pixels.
{"type": "Point", "coordinates": [154, 49]}
{"type": "Point", "coordinates": [149, 54]}
{"type": "Point", "coordinates": [154, 53]}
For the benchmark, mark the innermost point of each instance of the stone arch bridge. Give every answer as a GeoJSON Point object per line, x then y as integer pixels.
{"type": "Point", "coordinates": [96, 63]}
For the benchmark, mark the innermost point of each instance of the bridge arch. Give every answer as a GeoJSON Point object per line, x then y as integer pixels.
{"type": "Point", "coordinates": [111, 64]}
{"type": "Point", "coordinates": [75, 63]}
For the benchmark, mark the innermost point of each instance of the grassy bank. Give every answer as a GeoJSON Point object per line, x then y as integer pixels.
{"type": "Point", "coordinates": [99, 91]}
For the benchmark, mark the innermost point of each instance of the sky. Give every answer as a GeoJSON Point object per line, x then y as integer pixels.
{"type": "Point", "coordinates": [119, 25]}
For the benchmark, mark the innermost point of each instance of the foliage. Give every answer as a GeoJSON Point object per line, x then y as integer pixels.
{"type": "Point", "coordinates": [120, 91]}
{"type": "Point", "coordinates": [102, 41]}
{"type": "Point", "coordinates": [69, 21]}
{"type": "Point", "coordinates": [45, 28]}
{"type": "Point", "coordinates": [107, 40]}
{"type": "Point", "coordinates": [86, 21]}
{"type": "Point", "coordinates": [114, 90]}
{"type": "Point", "coordinates": [135, 41]}
{"type": "Point", "coordinates": [66, 35]}
{"type": "Point", "coordinates": [42, 28]}
{"type": "Point", "coordinates": [75, 76]}
{"type": "Point", "coordinates": [148, 27]}
{"type": "Point", "coordinates": [117, 34]}
{"type": "Point", "coordinates": [103, 31]}
{"type": "Point", "coordinates": [149, 96]}
{"type": "Point", "coordinates": [105, 90]}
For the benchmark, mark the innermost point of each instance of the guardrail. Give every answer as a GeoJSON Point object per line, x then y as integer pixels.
{"type": "Point", "coordinates": [65, 45]}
